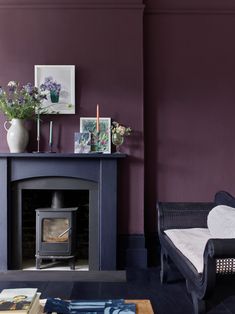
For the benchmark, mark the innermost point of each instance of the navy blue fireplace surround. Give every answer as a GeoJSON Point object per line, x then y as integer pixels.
{"type": "Point", "coordinates": [94, 172]}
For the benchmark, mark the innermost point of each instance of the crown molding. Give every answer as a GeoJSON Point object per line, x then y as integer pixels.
{"type": "Point", "coordinates": [189, 12]}
{"type": "Point", "coordinates": [194, 7]}
{"type": "Point", "coordinates": [72, 4]}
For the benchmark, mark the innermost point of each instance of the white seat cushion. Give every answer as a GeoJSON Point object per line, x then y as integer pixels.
{"type": "Point", "coordinates": [191, 242]}
{"type": "Point", "coordinates": [221, 222]}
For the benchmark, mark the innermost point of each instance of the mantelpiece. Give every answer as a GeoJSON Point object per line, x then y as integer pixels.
{"type": "Point", "coordinates": [99, 169]}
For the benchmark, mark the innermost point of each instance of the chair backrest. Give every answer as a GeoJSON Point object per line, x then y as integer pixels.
{"type": "Point", "coordinates": [224, 198]}
{"type": "Point", "coordinates": [173, 215]}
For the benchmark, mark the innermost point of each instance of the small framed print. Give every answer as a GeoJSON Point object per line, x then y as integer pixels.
{"type": "Point", "coordinates": [58, 84]}
{"type": "Point", "coordinates": [82, 143]}
{"type": "Point", "coordinates": [100, 141]}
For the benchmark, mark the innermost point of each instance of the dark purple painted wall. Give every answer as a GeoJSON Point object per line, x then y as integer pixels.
{"type": "Point", "coordinates": [189, 88]}
{"type": "Point", "coordinates": [190, 101]}
{"type": "Point", "coordinates": [104, 40]}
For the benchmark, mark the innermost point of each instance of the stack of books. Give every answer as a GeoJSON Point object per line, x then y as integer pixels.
{"type": "Point", "coordinates": [89, 306]}
{"type": "Point", "coordinates": [19, 301]}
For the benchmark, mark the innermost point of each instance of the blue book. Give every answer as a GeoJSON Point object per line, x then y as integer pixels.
{"type": "Point", "coordinates": [89, 306]}
{"type": "Point", "coordinates": [114, 307]}
{"type": "Point", "coordinates": [56, 305]}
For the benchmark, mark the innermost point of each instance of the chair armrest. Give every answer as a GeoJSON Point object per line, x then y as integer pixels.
{"type": "Point", "coordinates": [219, 258]}
{"type": "Point", "coordinates": [220, 248]}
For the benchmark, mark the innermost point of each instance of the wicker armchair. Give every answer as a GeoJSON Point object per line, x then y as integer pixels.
{"type": "Point", "coordinates": [219, 254]}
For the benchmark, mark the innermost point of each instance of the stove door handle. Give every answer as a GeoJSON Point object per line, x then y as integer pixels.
{"type": "Point", "coordinates": [67, 230]}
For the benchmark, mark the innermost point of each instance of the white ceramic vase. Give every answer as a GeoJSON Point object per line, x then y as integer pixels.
{"type": "Point", "coordinates": [17, 136]}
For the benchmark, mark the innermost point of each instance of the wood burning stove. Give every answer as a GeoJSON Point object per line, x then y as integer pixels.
{"type": "Point", "coordinates": [56, 236]}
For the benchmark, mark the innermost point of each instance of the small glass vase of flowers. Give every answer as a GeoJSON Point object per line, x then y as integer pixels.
{"type": "Point", "coordinates": [119, 131]}
{"type": "Point", "coordinates": [53, 87]}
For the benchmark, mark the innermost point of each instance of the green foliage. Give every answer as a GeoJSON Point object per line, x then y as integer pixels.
{"type": "Point", "coordinates": [20, 102]}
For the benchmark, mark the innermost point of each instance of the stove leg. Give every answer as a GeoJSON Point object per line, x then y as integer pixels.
{"type": "Point", "coordinates": [72, 263]}
{"type": "Point", "coordinates": [38, 263]}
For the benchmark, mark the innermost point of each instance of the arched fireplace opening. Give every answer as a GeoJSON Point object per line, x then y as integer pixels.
{"type": "Point", "coordinates": [44, 203]}
{"type": "Point", "coordinates": [37, 193]}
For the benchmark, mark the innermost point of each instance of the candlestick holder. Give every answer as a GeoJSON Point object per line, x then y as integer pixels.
{"type": "Point", "coordinates": [38, 134]}
{"type": "Point", "coordinates": [38, 146]}
{"type": "Point", "coordinates": [50, 148]}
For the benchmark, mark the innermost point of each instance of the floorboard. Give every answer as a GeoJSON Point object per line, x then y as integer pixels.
{"type": "Point", "coordinates": [87, 276]}
{"type": "Point", "coordinates": [170, 298]}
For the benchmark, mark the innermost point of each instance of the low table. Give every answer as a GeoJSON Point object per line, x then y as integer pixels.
{"type": "Point", "coordinates": [142, 306]}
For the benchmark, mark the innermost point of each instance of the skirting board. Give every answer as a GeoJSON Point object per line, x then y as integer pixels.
{"type": "Point", "coordinates": [131, 251]}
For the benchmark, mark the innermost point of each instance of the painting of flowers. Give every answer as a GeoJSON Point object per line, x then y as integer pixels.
{"type": "Point", "coordinates": [57, 82]}
{"type": "Point", "coordinates": [100, 141]}
{"type": "Point", "coordinates": [82, 142]}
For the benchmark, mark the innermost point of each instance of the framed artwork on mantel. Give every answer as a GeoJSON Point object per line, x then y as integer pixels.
{"type": "Point", "coordinates": [101, 140]}
{"type": "Point", "coordinates": [58, 84]}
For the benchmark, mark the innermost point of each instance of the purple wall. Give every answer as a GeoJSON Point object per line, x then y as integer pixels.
{"type": "Point", "coordinates": [189, 88]}
{"type": "Point", "coordinates": [190, 101]}
{"type": "Point", "coordinates": [104, 40]}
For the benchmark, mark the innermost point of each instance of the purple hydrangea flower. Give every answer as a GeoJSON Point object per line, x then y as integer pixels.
{"type": "Point", "coordinates": [43, 87]}
{"type": "Point", "coordinates": [20, 100]}
{"type": "Point", "coordinates": [12, 85]}
{"type": "Point", "coordinates": [28, 88]}
{"type": "Point", "coordinates": [48, 79]}
{"type": "Point", "coordinates": [50, 85]}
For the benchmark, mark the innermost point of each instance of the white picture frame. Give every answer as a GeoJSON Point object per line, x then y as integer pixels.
{"type": "Point", "coordinates": [63, 75]}
{"type": "Point", "coordinates": [100, 141]}
{"type": "Point", "coordinates": [82, 143]}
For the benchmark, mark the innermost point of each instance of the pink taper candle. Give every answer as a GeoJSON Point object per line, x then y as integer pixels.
{"type": "Point", "coordinates": [97, 118]}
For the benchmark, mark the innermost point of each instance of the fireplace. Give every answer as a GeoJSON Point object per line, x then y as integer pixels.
{"type": "Point", "coordinates": [95, 173]}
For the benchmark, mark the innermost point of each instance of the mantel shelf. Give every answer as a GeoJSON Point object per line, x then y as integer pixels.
{"type": "Point", "coordinates": [64, 155]}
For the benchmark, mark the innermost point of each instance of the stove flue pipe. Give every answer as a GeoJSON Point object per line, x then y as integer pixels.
{"type": "Point", "coordinates": [57, 199]}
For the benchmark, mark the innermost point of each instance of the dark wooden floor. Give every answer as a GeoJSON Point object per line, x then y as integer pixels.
{"type": "Point", "coordinates": [139, 284]}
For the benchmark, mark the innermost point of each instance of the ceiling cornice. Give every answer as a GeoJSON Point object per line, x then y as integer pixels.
{"type": "Point", "coordinates": [72, 4]}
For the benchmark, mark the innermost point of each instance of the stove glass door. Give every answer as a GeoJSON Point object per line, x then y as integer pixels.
{"type": "Point", "coordinates": [55, 230]}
